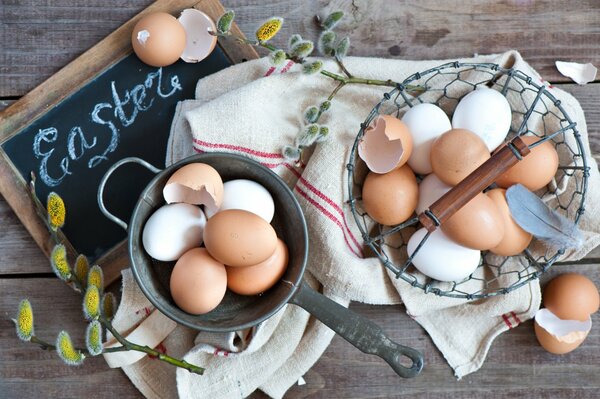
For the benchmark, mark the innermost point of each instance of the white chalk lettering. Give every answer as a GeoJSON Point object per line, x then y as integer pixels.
{"type": "Point", "coordinates": [120, 114]}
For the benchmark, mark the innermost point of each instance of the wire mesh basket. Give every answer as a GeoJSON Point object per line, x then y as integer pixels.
{"type": "Point", "coordinates": [535, 111]}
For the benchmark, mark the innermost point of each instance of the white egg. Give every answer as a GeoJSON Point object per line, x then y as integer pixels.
{"type": "Point", "coordinates": [431, 189]}
{"type": "Point", "coordinates": [172, 230]}
{"type": "Point", "coordinates": [485, 112]}
{"type": "Point", "coordinates": [247, 195]}
{"type": "Point", "coordinates": [441, 258]}
{"type": "Point", "coordinates": [425, 122]}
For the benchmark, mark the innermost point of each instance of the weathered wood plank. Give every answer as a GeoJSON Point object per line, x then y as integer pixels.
{"type": "Point", "coordinates": [39, 39]}
{"type": "Point", "coordinates": [19, 254]}
{"type": "Point", "coordinates": [516, 365]}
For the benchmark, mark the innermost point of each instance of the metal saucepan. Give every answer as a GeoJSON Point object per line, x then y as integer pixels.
{"type": "Point", "coordinates": [237, 312]}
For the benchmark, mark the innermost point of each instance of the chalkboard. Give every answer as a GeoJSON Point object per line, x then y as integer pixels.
{"type": "Point", "coordinates": [104, 106]}
{"type": "Point", "coordinates": [126, 111]}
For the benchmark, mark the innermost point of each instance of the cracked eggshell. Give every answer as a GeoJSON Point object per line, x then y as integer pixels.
{"type": "Point", "coordinates": [197, 184]}
{"type": "Point", "coordinates": [560, 336]}
{"type": "Point", "coordinates": [158, 39]}
{"type": "Point", "coordinates": [425, 122]}
{"type": "Point", "coordinates": [199, 42]}
{"type": "Point", "coordinates": [386, 145]}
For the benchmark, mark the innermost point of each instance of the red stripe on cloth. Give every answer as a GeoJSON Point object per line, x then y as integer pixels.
{"type": "Point", "coordinates": [270, 71]}
{"type": "Point", "coordinates": [239, 148]}
{"type": "Point", "coordinates": [507, 321]}
{"type": "Point", "coordinates": [329, 215]}
{"type": "Point", "coordinates": [287, 67]}
{"type": "Point", "coordinates": [267, 164]}
{"type": "Point", "coordinates": [514, 315]}
{"type": "Point", "coordinates": [335, 206]}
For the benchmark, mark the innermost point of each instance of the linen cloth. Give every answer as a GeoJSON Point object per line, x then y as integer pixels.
{"type": "Point", "coordinates": [254, 109]}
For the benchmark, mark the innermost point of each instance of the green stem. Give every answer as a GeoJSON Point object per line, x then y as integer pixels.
{"type": "Point", "coordinates": [349, 79]}
{"type": "Point", "coordinates": [192, 368]}
{"type": "Point", "coordinates": [50, 347]}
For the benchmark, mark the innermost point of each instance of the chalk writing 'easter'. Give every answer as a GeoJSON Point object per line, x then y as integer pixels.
{"type": "Point", "coordinates": [116, 115]}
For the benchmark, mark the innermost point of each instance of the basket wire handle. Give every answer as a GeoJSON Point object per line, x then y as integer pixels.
{"type": "Point", "coordinates": [104, 180]}
{"type": "Point", "coordinates": [473, 184]}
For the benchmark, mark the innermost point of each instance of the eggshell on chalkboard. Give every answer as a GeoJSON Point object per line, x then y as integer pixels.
{"type": "Point", "coordinates": [199, 42]}
{"type": "Point", "coordinates": [158, 39]}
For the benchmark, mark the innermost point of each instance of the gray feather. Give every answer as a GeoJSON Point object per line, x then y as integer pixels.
{"type": "Point", "coordinates": [536, 218]}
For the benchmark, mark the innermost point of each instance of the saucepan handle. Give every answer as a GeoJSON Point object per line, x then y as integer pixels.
{"type": "Point", "coordinates": [360, 332]}
{"type": "Point", "coordinates": [104, 180]}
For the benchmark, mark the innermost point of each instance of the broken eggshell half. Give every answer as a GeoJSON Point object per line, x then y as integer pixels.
{"type": "Point", "coordinates": [199, 42]}
{"type": "Point", "coordinates": [560, 336]}
{"type": "Point", "coordinates": [386, 145]}
{"type": "Point", "coordinates": [196, 184]}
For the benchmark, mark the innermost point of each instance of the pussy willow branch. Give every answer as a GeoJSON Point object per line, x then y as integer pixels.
{"type": "Point", "coordinates": [130, 346]}
{"type": "Point", "coordinates": [349, 79]}
{"type": "Point", "coordinates": [51, 347]}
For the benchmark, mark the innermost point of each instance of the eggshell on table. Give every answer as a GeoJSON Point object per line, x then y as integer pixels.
{"type": "Point", "coordinates": [559, 336]}
{"type": "Point", "coordinates": [198, 282]}
{"type": "Point", "coordinates": [485, 112]}
{"type": "Point", "coordinates": [571, 296]}
{"type": "Point", "coordinates": [200, 43]}
{"type": "Point", "coordinates": [172, 230]}
{"type": "Point", "coordinates": [457, 153]}
{"type": "Point", "coordinates": [158, 39]}
{"type": "Point", "coordinates": [239, 238]}
{"type": "Point", "coordinates": [431, 189]}
{"type": "Point", "coordinates": [441, 258]}
{"type": "Point", "coordinates": [386, 145]}
{"type": "Point", "coordinates": [390, 198]}
{"type": "Point", "coordinates": [535, 170]}
{"type": "Point", "coordinates": [252, 280]}
{"type": "Point", "coordinates": [425, 123]}
{"type": "Point", "coordinates": [195, 183]}
{"type": "Point", "coordinates": [477, 225]}
{"type": "Point", "coordinates": [515, 239]}
{"type": "Point", "coordinates": [247, 195]}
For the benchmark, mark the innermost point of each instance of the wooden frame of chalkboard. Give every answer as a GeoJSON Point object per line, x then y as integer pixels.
{"type": "Point", "coordinates": [14, 184]}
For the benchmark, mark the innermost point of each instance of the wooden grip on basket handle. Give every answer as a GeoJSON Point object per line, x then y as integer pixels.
{"type": "Point", "coordinates": [473, 184]}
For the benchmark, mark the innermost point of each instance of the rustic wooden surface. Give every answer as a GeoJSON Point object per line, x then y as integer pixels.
{"type": "Point", "coordinates": [37, 40]}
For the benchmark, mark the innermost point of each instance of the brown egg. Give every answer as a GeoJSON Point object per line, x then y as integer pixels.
{"type": "Point", "coordinates": [239, 238]}
{"type": "Point", "coordinates": [552, 344]}
{"type": "Point", "coordinates": [198, 282]}
{"type": "Point", "coordinates": [391, 198]}
{"type": "Point", "coordinates": [252, 280]}
{"type": "Point", "coordinates": [477, 225]}
{"type": "Point", "coordinates": [515, 239]}
{"type": "Point", "coordinates": [386, 145]}
{"type": "Point", "coordinates": [535, 170]}
{"type": "Point", "coordinates": [158, 39]}
{"type": "Point", "coordinates": [195, 184]}
{"type": "Point", "coordinates": [571, 296]}
{"type": "Point", "coordinates": [457, 153]}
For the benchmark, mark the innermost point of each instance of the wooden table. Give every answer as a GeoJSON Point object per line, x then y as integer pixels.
{"type": "Point", "coordinates": [37, 40]}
